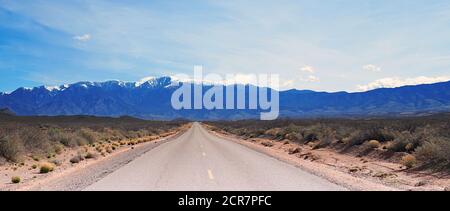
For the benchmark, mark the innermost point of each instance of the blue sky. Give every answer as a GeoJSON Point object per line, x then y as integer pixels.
{"type": "Point", "coordinates": [328, 45]}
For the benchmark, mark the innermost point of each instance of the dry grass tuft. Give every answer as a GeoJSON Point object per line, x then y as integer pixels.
{"type": "Point", "coordinates": [46, 167]}
{"type": "Point", "coordinates": [409, 161]}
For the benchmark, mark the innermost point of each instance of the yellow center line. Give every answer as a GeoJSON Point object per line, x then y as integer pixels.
{"type": "Point", "coordinates": [210, 174]}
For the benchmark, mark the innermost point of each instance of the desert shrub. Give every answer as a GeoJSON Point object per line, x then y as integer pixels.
{"type": "Point", "coordinates": [34, 166]}
{"type": "Point", "coordinates": [373, 144]}
{"type": "Point", "coordinates": [76, 159]}
{"type": "Point", "coordinates": [359, 137]}
{"type": "Point", "coordinates": [46, 168]}
{"type": "Point", "coordinates": [68, 138]}
{"type": "Point", "coordinates": [292, 128]}
{"type": "Point", "coordinates": [91, 155]}
{"type": "Point", "coordinates": [15, 179]}
{"type": "Point", "coordinates": [343, 132]}
{"type": "Point", "coordinates": [355, 138]}
{"type": "Point", "coordinates": [35, 158]}
{"type": "Point", "coordinates": [405, 142]}
{"type": "Point", "coordinates": [312, 133]}
{"type": "Point", "coordinates": [114, 134]}
{"type": "Point", "coordinates": [99, 148]}
{"type": "Point", "coordinates": [409, 161]}
{"type": "Point", "coordinates": [326, 137]}
{"type": "Point", "coordinates": [241, 131]}
{"type": "Point", "coordinates": [58, 149]}
{"type": "Point", "coordinates": [58, 135]}
{"type": "Point", "coordinates": [274, 132]}
{"type": "Point", "coordinates": [294, 150]}
{"type": "Point", "coordinates": [34, 138]}
{"type": "Point", "coordinates": [11, 148]}
{"type": "Point", "coordinates": [41, 136]}
{"type": "Point", "coordinates": [435, 152]}
{"type": "Point", "coordinates": [256, 133]}
{"type": "Point", "coordinates": [137, 134]}
{"type": "Point", "coordinates": [309, 136]}
{"type": "Point", "coordinates": [267, 143]}
{"type": "Point", "coordinates": [89, 135]}
{"type": "Point", "coordinates": [324, 142]}
{"type": "Point", "coordinates": [427, 137]}
{"type": "Point", "coordinates": [56, 162]}
{"type": "Point", "coordinates": [50, 155]}
{"type": "Point", "coordinates": [65, 139]}
{"type": "Point", "coordinates": [293, 136]}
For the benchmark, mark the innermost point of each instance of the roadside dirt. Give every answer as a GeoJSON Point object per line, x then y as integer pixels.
{"type": "Point", "coordinates": [69, 176]}
{"type": "Point", "coordinates": [365, 173]}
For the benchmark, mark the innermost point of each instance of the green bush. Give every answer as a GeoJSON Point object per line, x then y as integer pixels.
{"type": "Point", "coordinates": [15, 179]}
{"type": "Point", "coordinates": [46, 168]}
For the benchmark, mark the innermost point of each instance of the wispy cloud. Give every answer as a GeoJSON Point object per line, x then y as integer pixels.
{"type": "Point", "coordinates": [372, 68]}
{"type": "Point", "coordinates": [398, 82]}
{"type": "Point", "coordinates": [308, 69]}
{"type": "Point", "coordinates": [82, 38]}
{"type": "Point", "coordinates": [238, 37]}
{"type": "Point", "coordinates": [288, 84]}
{"type": "Point", "coordinates": [310, 78]}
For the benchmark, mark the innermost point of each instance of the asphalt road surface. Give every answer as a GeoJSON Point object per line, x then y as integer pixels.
{"type": "Point", "coordinates": [200, 161]}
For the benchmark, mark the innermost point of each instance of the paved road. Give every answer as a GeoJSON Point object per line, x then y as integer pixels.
{"type": "Point", "coordinates": [198, 160]}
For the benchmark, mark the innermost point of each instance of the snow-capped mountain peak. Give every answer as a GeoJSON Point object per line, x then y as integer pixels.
{"type": "Point", "coordinates": [144, 80]}
{"type": "Point", "coordinates": [53, 88]}
{"type": "Point", "coordinates": [151, 98]}
{"type": "Point", "coordinates": [153, 82]}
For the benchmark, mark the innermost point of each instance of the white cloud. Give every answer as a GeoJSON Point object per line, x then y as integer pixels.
{"type": "Point", "coordinates": [82, 38]}
{"type": "Point", "coordinates": [310, 78]}
{"type": "Point", "coordinates": [288, 84]}
{"type": "Point", "coordinates": [372, 68]}
{"type": "Point", "coordinates": [308, 69]}
{"type": "Point", "coordinates": [398, 82]}
{"type": "Point", "coordinates": [241, 38]}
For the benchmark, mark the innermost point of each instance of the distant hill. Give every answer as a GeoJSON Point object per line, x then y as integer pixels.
{"type": "Point", "coordinates": [7, 112]}
{"type": "Point", "coordinates": [151, 100]}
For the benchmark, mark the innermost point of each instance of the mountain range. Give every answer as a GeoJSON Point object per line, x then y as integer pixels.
{"type": "Point", "coordinates": [152, 100]}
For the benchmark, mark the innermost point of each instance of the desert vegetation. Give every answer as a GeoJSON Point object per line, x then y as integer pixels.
{"type": "Point", "coordinates": [15, 179]}
{"type": "Point", "coordinates": [42, 138]}
{"type": "Point", "coordinates": [415, 142]}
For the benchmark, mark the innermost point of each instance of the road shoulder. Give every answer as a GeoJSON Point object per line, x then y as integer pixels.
{"type": "Point", "coordinates": [310, 164]}
{"type": "Point", "coordinates": [80, 176]}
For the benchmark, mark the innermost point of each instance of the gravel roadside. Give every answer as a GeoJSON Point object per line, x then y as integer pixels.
{"type": "Point", "coordinates": [84, 175]}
